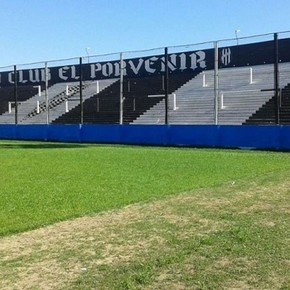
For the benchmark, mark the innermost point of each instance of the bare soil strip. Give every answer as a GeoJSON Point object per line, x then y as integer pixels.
{"type": "Point", "coordinates": [55, 256]}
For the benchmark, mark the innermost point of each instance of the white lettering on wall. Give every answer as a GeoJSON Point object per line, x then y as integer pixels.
{"type": "Point", "coordinates": [68, 72]}
{"type": "Point", "coordinates": [171, 63]}
{"type": "Point", "coordinates": [21, 77]}
{"type": "Point", "coordinates": [42, 72]}
{"type": "Point", "coordinates": [149, 62]}
{"type": "Point", "coordinates": [182, 58]}
{"type": "Point", "coordinates": [134, 68]}
{"type": "Point", "coordinates": [96, 67]}
{"type": "Point", "coordinates": [139, 66]}
{"type": "Point", "coordinates": [73, 73]}
{"type": "Point", "coordinates": [10, 78]}
{"type": "Point", "coordinates": [107, 69]}
{"type": "Point", "coordinates": [62, 73]}
{"type": "Point", "coordinates": [34, 75]}
{"type": "Point", "coordinates": [197, 59]}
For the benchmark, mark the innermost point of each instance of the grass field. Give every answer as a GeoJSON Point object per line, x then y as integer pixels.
{"type": "Point", "coordinates": [149, 218]}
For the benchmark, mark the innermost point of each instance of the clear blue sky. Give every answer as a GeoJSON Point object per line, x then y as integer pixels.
{"type": "Point", "coordinates": [39, 30]}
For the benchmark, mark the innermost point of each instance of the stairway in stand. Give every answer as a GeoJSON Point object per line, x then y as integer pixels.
{"type": "Point", "coordinates": [267, 113]}
{"type": "Point", "coordinates": [285, 106]}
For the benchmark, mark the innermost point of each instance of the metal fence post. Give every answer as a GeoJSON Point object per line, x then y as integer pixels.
{"type": "Point", "coordinates": [121, 88]}
{"type": "Point", "coordinates": [276, 77]}
{"type": "Point", "coordinates": [81, 92]}
{"type": "Point", "coordinates": [16, 94]}
{"type": "Point", "coordinates": [166, 84]}
{"type": "Point", "coordinates": [46, 93]}
{"type": "Point", "coordinates": [216, 82]}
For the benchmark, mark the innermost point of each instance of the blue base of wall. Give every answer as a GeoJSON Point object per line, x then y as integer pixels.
{"type": "Point", "coordinates": [251, 137]}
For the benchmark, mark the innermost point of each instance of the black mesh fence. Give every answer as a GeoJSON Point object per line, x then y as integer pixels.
{"type": "Point", "coordinates": [244, 81]}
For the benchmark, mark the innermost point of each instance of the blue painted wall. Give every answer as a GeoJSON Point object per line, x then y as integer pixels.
{"type": "Point", "coordinates": [259, 137]}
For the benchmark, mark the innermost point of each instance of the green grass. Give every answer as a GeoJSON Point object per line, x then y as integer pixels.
{"type": "Point", "coordinates": [234, 237]}
{"type": "Point", "coordinates": [42, 183]}
{"type": "Point", "coordinates": [205, 218]}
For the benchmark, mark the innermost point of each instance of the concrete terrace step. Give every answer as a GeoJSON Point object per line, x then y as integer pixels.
{"type": "Point", "coordinates": [240, 95]}
{"type": "Point", "coordinates": [59, 107]}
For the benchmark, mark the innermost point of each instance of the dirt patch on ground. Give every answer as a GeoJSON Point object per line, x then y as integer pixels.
{"type": "Point", "coordinates": [55, 256]}
{"type": "Point", "coordinates": [48, 257]}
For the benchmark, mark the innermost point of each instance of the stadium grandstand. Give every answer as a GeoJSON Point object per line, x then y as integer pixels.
{"type": "Point", "coordinates": [235, 84]}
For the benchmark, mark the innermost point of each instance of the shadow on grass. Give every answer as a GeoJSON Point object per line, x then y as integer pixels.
{"type": "Point", "coordinates": [56, 145]}
{"type": "Point", "coordinates": [43, 145]}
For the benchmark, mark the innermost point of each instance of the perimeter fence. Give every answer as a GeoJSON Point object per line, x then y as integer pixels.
{"type": "Point", "coordinates": [244, 80]}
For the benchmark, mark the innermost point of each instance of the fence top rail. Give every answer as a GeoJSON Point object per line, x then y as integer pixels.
{"type": "Point", "coordinates": [45, 62]}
